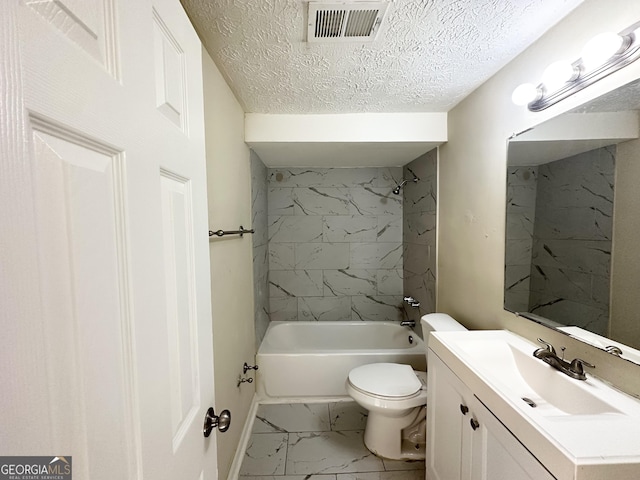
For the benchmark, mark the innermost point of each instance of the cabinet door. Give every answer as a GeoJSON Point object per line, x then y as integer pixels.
{"type": "Point", "coordinates": [446, 420]}
{"type": "Point", "coordinates": [496, 453]}
{"type": "Point", "coordinates": [465, 441]}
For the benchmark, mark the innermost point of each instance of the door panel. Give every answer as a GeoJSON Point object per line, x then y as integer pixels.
{"type": "Point", "coordinates": [184, 372]}
{"type": "Point", "coordinates": [170, 73]}
{"type": "Point", "coordinates": [90, 24]}
{"type": "Point", "coordinates": [103, 148]}
{"type": "Point", "coordinates": [85, 312]}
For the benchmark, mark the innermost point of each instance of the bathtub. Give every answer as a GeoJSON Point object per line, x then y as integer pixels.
{"type": "Point", "coordinates": [313, 359]}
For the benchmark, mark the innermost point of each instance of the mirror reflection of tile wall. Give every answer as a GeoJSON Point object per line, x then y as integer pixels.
{"type": "Point", "coordinates": [559, 225]}
{"type": "Point", "coordinates": [521, 212]}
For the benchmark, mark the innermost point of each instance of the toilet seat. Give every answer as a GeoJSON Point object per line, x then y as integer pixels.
{"type": "Point", "coordinates": [391, 381]}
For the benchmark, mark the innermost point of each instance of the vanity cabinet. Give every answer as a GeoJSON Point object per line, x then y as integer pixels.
{"type": "Point", "coordinates": [465, 441]}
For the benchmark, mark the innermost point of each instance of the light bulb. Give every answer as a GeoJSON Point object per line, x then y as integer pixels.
{"type": "Point", "coordinates": [557, 74]}
{"type": "Point", "coordinates": [525, 94]}
{"type": "Point", "coordinates": [600, 49]}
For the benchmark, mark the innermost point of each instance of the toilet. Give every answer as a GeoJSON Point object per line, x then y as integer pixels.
{"type": "Point", "coordinates": [396, 397]}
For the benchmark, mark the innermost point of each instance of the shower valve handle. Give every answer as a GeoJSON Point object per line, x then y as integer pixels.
{"type": "Point", "coordinates": [247, 367]}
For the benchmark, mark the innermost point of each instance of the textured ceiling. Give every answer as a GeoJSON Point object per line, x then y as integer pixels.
{"type": "Point", "coordinates": [622, 99]}
{"type": "Point", "coordinates": [428, 56]}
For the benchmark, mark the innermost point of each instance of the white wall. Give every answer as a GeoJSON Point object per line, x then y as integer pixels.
{"type": "Point", "coordinates": [344, 140]}
{"type": "Point", "coordinates": [472, 176]}
{"type": "Point", "coordinates": [229, 192]}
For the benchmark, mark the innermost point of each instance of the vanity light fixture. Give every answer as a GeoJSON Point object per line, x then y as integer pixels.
{"type": "Point", "coordinates": [525, 94]}
{"type": "Point", "coordinates": [559, 73]}
{"type": "Point", "coordinates": [602, 55]}
{"type": "Point", "coordinates": [602, 47]}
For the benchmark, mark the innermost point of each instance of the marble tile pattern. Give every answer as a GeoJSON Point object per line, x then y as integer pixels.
{"type": "Point", "coordinates": [558, 239]}
{"type": "Point", "coordinates": [419, 234]}
{"type": "Point", "coordinates": [571, 250]}
{"type": "Point", "coordinates": [260, 246]}
{"type": "Point", "coordinates": [522, 183]}
{"type": "Point", "coordinates": [321, 441]}
{"type": "Point", "coordinates": [334, 244]}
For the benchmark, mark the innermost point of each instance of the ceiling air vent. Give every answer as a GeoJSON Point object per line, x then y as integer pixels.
{"type": "Point", "coordinates": [340, 22]}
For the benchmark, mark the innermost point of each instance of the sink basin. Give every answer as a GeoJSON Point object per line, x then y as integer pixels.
{"type": "Point", "coordinates": [517, 373]}
{"type": "Point", "coordinates": [575, 428]}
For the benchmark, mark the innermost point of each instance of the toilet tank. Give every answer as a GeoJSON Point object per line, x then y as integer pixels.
{"type": "Point", "coordinates": [438, 322]}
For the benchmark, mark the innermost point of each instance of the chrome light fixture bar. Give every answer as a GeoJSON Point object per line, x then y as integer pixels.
{"type": "Point", "coordinates": [601, 56]}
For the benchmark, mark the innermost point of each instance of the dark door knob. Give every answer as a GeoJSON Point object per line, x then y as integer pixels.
{"type": "Point", "coordinates": [211, 421]}
{"type": "Point", "coordinates": [464, 409]}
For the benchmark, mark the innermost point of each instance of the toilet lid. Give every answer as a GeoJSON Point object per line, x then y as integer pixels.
{"type": "Point", "coordinates": [385, 379]}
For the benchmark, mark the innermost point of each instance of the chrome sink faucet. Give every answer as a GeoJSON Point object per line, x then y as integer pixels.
{"type": "Point", "coordinates": [574, 369]}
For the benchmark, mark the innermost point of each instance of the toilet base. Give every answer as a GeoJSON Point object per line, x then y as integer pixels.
{"type": "Point", "coordinates": [397, 438]}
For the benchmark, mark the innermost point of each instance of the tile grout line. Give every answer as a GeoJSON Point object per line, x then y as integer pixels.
{"type": "Point", "coordinates": [286, 455]}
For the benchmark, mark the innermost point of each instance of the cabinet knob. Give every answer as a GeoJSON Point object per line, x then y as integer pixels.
{"type": "Point", "coordinates": [474, 424]}
{"type": "Point", "coordinates": [464, 409]}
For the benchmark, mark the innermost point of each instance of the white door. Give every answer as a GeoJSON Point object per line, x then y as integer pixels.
{"type": "Point", "coordinates": [104, 283]}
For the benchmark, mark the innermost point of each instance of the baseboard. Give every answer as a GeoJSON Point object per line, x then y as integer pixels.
{"type": "Point", "coordinates": [234, 471]}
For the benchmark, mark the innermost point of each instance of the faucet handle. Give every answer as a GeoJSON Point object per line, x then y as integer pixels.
{"type": "Point", "coordinates": [577, 370]}
{"type": "Point", "coordinates": [412, 302]}
{"type": "Point", "coordinates": [547, 346]}
{"type": "Point", "coordinates": [577, 365]}
{"type": "Point", "coordinates": [613, 350]}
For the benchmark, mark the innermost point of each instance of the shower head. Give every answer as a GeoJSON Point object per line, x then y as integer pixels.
{"type": "Point", "coordinates": [396, 191]}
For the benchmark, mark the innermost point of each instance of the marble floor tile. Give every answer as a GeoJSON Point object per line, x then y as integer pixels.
{"type": "Point", "coordinates": [397, 475]}
{"type": "Point", "coordinates": [297, 417]}
{"type": "Point", "coordinates": [266, 454]}
{"type": "Point", "coordinates": [330, 452]}
{"type": "Point", "coordinates": [347, 416]}
{"type": "Point", "coordinates": [293, 442]}
{"type": "Point", "coordinates": [288, 477]}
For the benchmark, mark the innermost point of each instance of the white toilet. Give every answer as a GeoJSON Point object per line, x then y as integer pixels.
{"type": "Point", "coordinates": [396, 397]}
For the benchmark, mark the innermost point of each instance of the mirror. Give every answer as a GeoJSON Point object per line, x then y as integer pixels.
{"type": "Point", "coordinates": [572, 256]}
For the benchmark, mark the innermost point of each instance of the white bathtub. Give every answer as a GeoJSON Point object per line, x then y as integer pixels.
{"type": "Point", "coordinates": [313, 359]}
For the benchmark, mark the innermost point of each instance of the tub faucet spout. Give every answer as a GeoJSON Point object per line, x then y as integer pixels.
{"type": "Point", "coordinates": [408, 323]}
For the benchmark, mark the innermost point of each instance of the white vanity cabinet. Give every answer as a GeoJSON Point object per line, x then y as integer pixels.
{"type": "Point", "coordinates": [465, 441]}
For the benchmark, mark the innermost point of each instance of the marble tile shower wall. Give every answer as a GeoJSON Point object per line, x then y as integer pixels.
{"type": "Point", "coordinates": [419, 233]}
{"type": "Point", "coordinates": [335, 244]}
{"type": "Point", "coordinates": [260, 246]}
{"type": "Point", "coordinates": [571, 254]}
